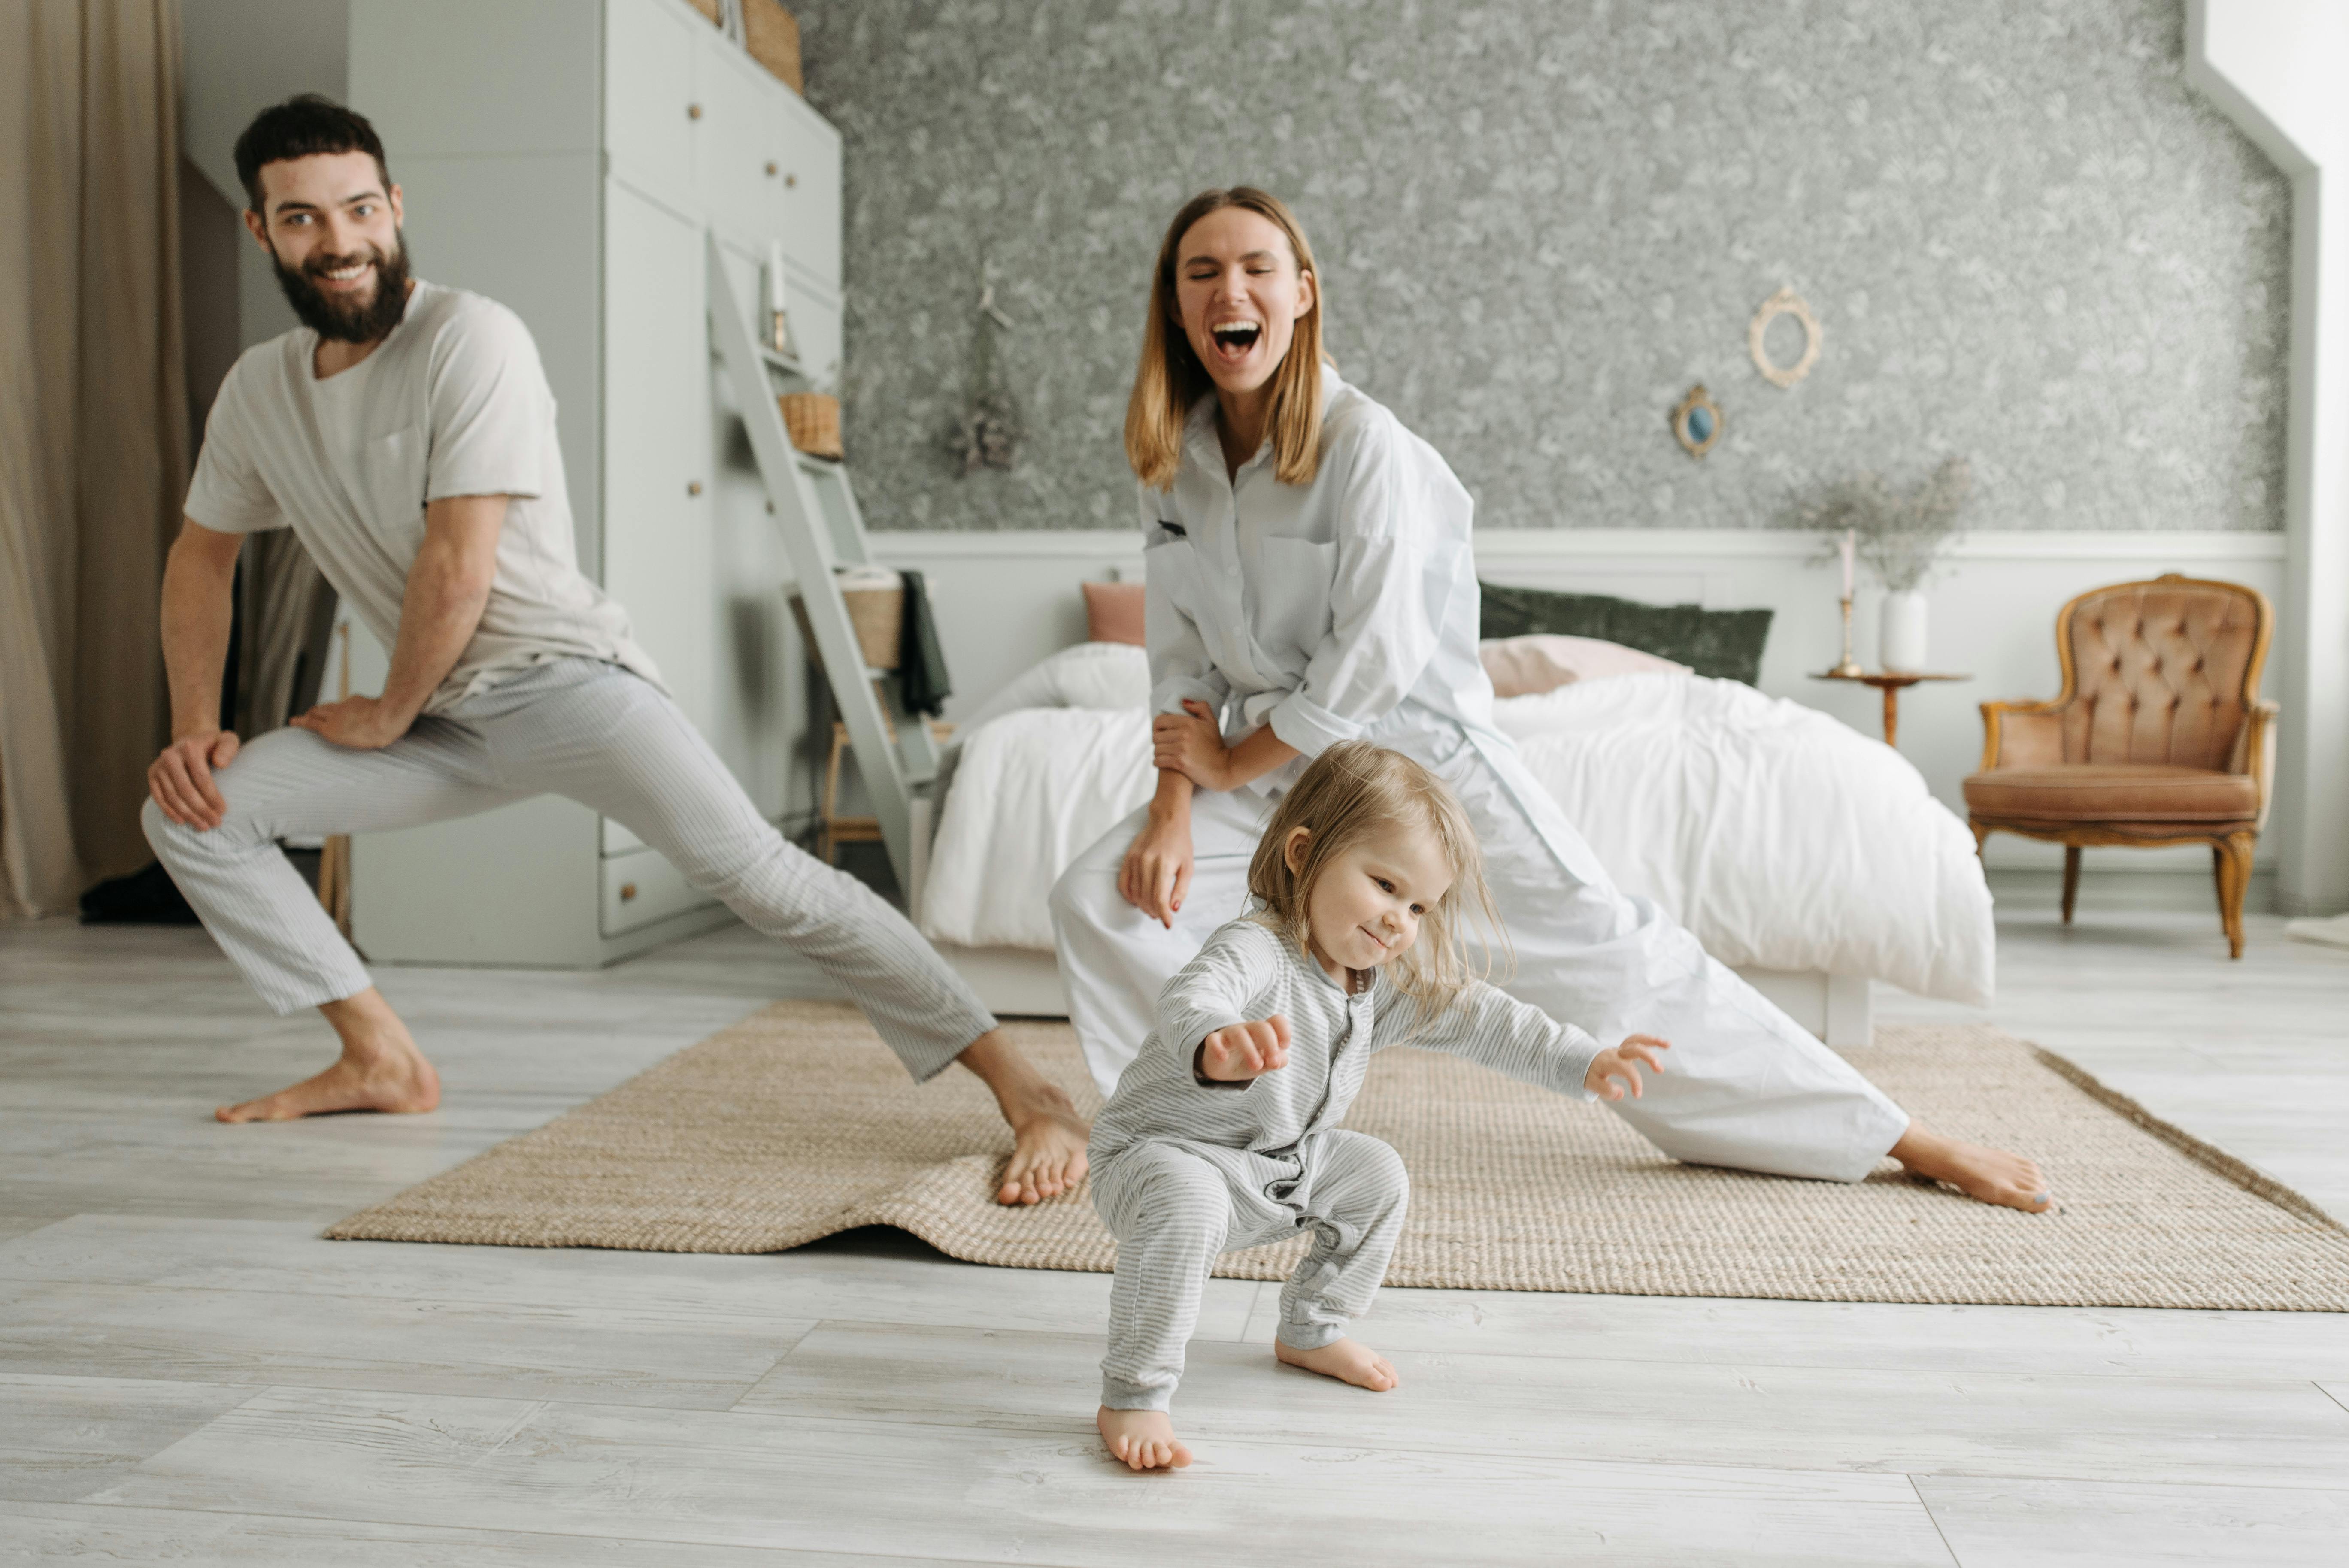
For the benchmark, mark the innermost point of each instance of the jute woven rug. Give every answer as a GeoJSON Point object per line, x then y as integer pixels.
{"type": "Point", "coordinates": [796, 1123]}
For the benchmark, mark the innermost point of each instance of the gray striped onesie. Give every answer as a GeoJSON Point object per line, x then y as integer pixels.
{"type": "Point", "coordinates": [1183, 1172]}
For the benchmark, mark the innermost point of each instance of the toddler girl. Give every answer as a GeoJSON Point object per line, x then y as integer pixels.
{"type": "Point", "coordinates": [1224, 1131]}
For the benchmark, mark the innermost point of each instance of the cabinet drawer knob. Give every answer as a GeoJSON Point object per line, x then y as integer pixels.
{"type": "Point", "coordinates": [693, 111]}
{"type": "Point", "coordinates": [627, 892]}
{"type": "Point", "coordinates": [770, 168]}
{"type": "Point", "coordinates": [790, 179]}
{"type": "Point", "coordinates": [693, 486]}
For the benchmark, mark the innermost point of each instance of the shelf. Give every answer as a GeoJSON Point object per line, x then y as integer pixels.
{"type": "Point", "coordinates": [787, 362]}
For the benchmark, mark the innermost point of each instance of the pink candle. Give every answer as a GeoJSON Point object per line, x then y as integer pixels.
{"type": "Point", "coordinates": [1845, 550]}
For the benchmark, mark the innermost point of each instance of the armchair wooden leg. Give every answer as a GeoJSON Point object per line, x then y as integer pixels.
{"type": "Point", "coordinates": [2071, 879]}
{"type": "Point", "coordinates": [1982, 836]}
{"type": "Point", "coordinates": [2233, 857]}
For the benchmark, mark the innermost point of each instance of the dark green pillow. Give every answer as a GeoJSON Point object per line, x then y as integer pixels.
{"type": "Point", "coordinates": [1725, 643]}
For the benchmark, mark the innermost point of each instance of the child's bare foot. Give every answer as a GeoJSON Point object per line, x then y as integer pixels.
{"type": "Point", "coordinates": [1143, 1439]}
{"type": "Point", "coordinates": [1347, 1360]}
{"type": "Point", "coordinates": [1991, 1175]}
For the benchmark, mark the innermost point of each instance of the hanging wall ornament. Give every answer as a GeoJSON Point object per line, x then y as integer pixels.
{"type": "Point", "coordinates": [1785, 302]}
{"type": "Point", "coordinates": [989, 433]}
{"type": "Point", "coordinates": [1696, 421]}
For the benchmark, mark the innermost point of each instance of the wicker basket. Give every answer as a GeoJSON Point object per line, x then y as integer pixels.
{"type": "Point", "coordinates": [769, 33]}
{"type": "Point", "coordinates": [877, 614]}
{"type": "Point", "coordinates": [773, 36]}
{"type": "Point", "coordinates": [813, 420]}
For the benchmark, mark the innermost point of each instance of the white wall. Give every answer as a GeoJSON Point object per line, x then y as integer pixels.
{"type": "Point", "coordinates": [2277, 68]}
{"type": "Point", "coordinates": [1005, 600]}
{"type": "Point", "coordinates": [239, 56]}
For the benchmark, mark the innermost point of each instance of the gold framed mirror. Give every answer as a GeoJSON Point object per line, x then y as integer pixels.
{"type": "Point", "coordinates": [1696, 421]}
{"type": "Point", "coordinates": [1785, 302]}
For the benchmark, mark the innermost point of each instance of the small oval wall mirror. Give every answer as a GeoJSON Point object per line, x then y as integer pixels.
{"type": "Point", "coordinates": [1696, 421]}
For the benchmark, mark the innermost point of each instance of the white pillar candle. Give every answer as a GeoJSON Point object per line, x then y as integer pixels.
{"type": "Point", "coordinates": [775, 276]}
{"type": "Point", "coordinates": [1849, 539]}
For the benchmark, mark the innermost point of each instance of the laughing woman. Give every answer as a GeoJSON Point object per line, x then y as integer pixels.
{"type": "Point", "coordinates": [1310, 581]}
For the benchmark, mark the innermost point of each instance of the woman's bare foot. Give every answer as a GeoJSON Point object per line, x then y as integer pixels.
{"type": "Point", "coordinates": [1347, 1360]}
{"type": "Point", "coordinates": [380, 1069]}
{"type": "Point", "coordinates": [1991, 1175]}
{"type": "Point", "coordinates": [1142, 1440]}
{"type": "Point", "coordinates": [1048, 1151]}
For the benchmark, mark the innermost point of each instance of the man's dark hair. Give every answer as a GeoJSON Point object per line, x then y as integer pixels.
{"type": "Point", "coordinates": [302, 126]}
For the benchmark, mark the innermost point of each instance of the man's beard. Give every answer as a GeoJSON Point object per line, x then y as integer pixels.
{"type": "Point", "coordinates": [339, 318]}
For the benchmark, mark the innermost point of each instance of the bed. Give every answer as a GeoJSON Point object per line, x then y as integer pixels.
{"type": "Point", "coordinates": [1804, 855]}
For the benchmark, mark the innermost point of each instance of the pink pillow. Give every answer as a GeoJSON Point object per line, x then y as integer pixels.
{"type": "Point", "coordinates": [1523, 666]}
{"type": "Point", "coordinates": [1113, 613]}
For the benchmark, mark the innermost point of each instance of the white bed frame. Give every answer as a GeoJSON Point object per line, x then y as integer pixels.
{"type": "Point", "coordinates": [1017, 982]}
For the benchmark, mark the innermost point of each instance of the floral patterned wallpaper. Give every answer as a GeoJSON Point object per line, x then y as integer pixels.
{"type": "Point", "coordinates": [1540, 221]}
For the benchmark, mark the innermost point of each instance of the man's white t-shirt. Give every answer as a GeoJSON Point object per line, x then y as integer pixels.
{"type": "Point", "coordinates": [452, 403]}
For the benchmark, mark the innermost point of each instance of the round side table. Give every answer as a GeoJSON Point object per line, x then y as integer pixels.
{"type": "Point", "coordinates": [1891, 685]}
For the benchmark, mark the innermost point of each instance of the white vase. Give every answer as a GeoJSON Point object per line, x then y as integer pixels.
{"type": "Point", "coordinates": [1900, 635]}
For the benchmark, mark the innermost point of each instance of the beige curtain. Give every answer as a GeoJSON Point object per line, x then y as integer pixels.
{"type": "Point", "coordinates": [93, 430]}
{"type": "Point", "coordinates": [289, 618]}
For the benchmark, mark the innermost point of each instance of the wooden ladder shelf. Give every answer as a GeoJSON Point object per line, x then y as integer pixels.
{"type": "Point", "coordinates": [815, 509]}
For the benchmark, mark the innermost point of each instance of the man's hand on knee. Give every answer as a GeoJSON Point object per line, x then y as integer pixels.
{"type": "Point", "coordinates": [360, 723]}
{"type": "Point", "coordinates": [180, 780]}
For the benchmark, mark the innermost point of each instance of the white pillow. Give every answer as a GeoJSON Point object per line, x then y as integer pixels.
{"type": "Point", "coordinates": [1090, 674]}
{"type": "Point", "coordinates": [1523, 666]}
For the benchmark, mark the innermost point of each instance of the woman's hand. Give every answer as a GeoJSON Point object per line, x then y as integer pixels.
{"type": "Point", "coordinates": [1612, 1071]}
{"type": "Point", "coordinates": [1157, 875]}
{"type": "Point", "coordinates": [1189, 743]}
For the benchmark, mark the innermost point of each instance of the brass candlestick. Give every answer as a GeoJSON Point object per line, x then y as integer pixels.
{"type": "Point", "coordinates": [1849, 666]}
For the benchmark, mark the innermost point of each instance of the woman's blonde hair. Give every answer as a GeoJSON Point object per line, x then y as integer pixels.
{"type": "Point", "coordinates": [1170, 378]}
{"type": "Point", "coordinates": [1349, 792]}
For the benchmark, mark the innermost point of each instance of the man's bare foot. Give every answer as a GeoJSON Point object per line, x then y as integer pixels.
{"type": "Point", "coordinates": [380, 1069]}
{"type": "Point", "coordinates": [1048, 1151]}
{"type": "Point", "coordinates": [1991, 1175]}
{"type": "Point", "coordinates": [1347, 1360]}
{"type": "Point", "coordinates": [1142, 1440]}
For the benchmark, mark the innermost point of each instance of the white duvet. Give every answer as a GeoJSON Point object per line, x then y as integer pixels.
{"type": "Point", "coordinates": [1780, 837]}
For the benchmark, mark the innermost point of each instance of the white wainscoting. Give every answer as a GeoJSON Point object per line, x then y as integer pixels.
{"type": "Point", "coordinates": [1005, 600]}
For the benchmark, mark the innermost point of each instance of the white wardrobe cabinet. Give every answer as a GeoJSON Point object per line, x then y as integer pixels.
{"type": "Point", "coordinates": [566, 157]}
{"type": "Point", "coordinates": [657, 493]}
{"type": "Point", "coordinates": [649, 126]}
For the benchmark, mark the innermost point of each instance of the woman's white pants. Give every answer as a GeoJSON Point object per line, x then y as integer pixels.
{"type": "Point", "coordinates": [1744, 1086]}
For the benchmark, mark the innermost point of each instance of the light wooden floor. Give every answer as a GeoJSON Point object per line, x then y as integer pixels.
{"type": "Point", "coordinates": [186, 1372]}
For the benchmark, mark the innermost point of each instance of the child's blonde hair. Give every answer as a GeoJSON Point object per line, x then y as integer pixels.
{"type": "Point", "coordinates": [1349, 792]}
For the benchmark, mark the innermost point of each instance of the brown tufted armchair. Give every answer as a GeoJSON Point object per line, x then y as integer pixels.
{"type": "Point", "coordinates": [2160, 736]}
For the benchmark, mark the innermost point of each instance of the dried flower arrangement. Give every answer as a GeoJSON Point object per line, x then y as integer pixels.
{"type": "Point", "coordinates": [988, 434]}
{"type": "Point", "coordinates": [1899, 534]}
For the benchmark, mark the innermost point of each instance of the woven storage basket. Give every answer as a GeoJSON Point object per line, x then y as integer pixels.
{"type": "Point", "coordinates": [813, 420]}
{"type": "Point", "coordinates": [877, 614]}
{"type": "Point", "coordinates": [773, 36]}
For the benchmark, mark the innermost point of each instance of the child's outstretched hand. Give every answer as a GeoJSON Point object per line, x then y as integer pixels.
{"type": "Point", "coordinates": [1612, 1072]}
{"type": "Point", "coordinates": [1237, 1052]}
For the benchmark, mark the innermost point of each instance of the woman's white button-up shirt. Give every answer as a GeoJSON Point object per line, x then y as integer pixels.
{"type": "Point", "coordinates": [1340, 609]}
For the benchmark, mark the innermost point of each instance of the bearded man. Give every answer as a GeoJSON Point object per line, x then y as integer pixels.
{"type": "Point", "coordinates": [405, 433]}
